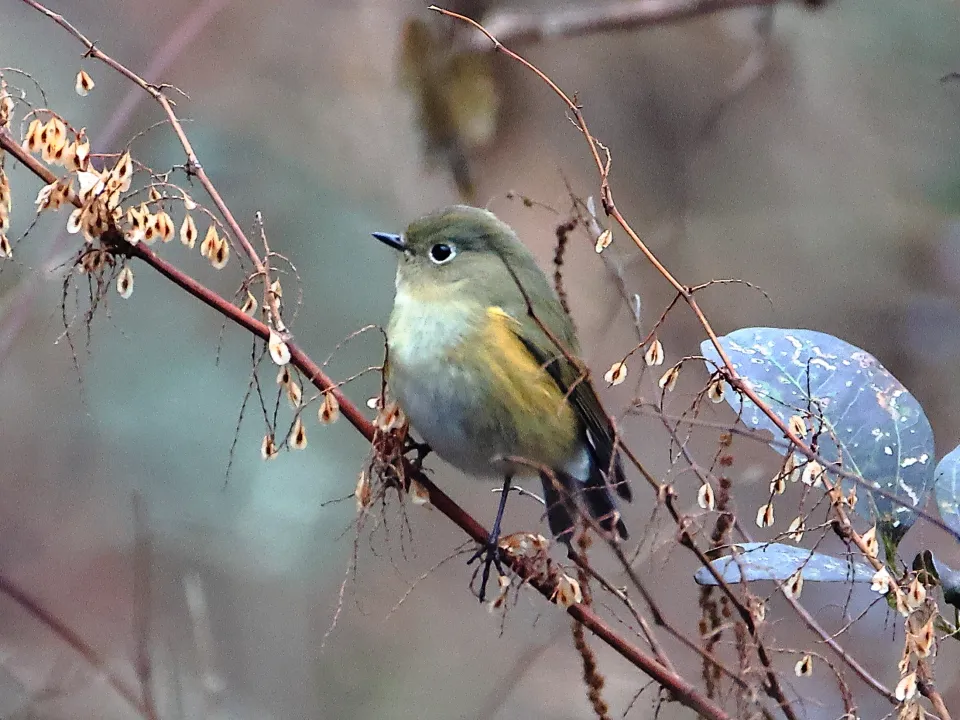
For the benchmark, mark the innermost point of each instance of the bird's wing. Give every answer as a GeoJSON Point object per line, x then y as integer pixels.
{"type": "Point", "coordinates": [572, 381]}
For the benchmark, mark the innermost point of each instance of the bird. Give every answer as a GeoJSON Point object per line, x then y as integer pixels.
{"type": "Point", "coordinates": [483, 360]}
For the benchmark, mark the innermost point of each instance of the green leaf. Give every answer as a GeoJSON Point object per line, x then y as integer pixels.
{"type": "Point", "coordinates": [856, 412]}
{"type": "Point", "coordinates": [774, 561]}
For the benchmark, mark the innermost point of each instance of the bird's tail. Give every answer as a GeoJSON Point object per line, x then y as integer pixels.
{"type": "Point", "coordinates": [565, 495]}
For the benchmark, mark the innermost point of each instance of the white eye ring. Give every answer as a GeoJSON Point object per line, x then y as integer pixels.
{"type": "Point", "coordinates": [442, 253]}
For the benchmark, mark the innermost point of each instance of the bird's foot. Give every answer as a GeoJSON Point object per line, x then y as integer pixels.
{"type": "Point", "coordinates": [489, 553]}
{"type": "Point", "coordinates": [421, 448]}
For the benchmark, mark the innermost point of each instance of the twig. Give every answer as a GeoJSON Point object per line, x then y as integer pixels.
{"type": "Point", "coordinates": [681, 689]}
{"type": "Point", "coordinates": [77, 643]}
{"type": "Point", "coordinates": [929, 691]}
{"type": "Point", "coordinates": [804, 614]}
{"type": "Point", "coordinates": [602, 159]}
{"type": "Point", "coordinates": [143, 561]}
{"type": "Point", "coordinates": [193, 165]}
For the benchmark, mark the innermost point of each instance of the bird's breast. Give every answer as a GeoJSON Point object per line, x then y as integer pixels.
{"type": "Point", "coordinates": [470, 388]}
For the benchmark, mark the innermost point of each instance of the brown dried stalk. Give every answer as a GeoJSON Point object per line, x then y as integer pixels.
{"type": "Point", "coordinates": [680, 688]}
{"type": "Point", "coordinates": [728, 371]}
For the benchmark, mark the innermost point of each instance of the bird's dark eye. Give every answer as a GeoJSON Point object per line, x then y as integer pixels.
{"type": "Point", "coordinates": [441, 253]}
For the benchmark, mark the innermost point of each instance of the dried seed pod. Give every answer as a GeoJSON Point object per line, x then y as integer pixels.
{"type": "Point", "coordinates": [778, 485]}
{"type": "Point", "coordinates": [362, 493]}
{"type": "Point", "coordinates": [568, 591]}
{"type": "Point", "coordinates": [871, 543]}
{"type": "Point", "coordinates": [84, 83]}
{"type": "Point", "coordinates": [907, 687]}
{"type": "Point", "coordinates": [765, 515]}
{"type": "Point", "coordinates": [418, 493]}
{"type": "Point", "coordinates": [298, 435]}
{"type": "Point", "coordinates": [794, 585]}
{"type": "Point", "coordinates": [812, 474]}
{"type": "Point", "coordinates": [797, 426]}
{"type": "Point", "coordinates": [294, 393]}
{"type": "Point", "coordinates": [916, 594]}
{"type": "Point", "coordinates": [82, 153]}
{"type": "Point", "coordinates": [603, 242]}
{"type": "Point", "coordinates": [329, 409]}
{"type": "Point", "coordinates": [796, 529]}
{"type": "Point", "coordinates": [210, 242]}
{"type": "Point", "coordinates": [125, 283]}
{"type": "Point", "coordinates": [881, 581]}
{"type": "Point", "coordinates": [249, 306]}
{"type": "Point", "coordinates": [616, 374]}
{"type": "Point", "coordinates": [715, 389]}
{"type": "Point", "coordinates": [220, 254]}
{"type": "Point", "coordinates": [279, 351]}
{"type": "Point", "coordinates": [668, 381]}
{"type": "Point", "coordinates": [31, 141]}
{"type": "Point", "coordinates": [654, 354]}
{"type": "Point", "coordinates": [188, 231]}
{"type": "Point", "coordinates": [268, 448]}
{"type": "Point", "coordinates": [163, 226]}
{"type": "Point", "coordinates": [705, 498]}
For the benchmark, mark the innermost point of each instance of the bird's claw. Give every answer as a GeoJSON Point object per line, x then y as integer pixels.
{"type": "Point", "coordinates": [421, 448]}
{"type": "Point", "coordinates": [489, 552]}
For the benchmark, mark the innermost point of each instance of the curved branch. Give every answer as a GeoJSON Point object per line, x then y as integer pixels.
{"type": "Point", "coordinates": [77, 643]}
{"type": "Point", "coordinates": [681, 690]}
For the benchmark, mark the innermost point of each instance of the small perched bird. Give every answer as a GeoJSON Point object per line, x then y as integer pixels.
{"type": "Point", "coordinates": [489, 386]}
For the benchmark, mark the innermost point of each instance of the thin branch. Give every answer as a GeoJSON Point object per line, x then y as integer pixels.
{"type": "Point", "coordinates": [143, 561]}
{"type": "Point", "coordinates": [602, 159]}
{"type": "Point", "coordinates": [681, 689]}
{"type": "Point", "coordinates": [193, 161]}
{"type": "Point", "coordinates": [802, 611]}
{"type": "Point", "coordinates": [77, 643]}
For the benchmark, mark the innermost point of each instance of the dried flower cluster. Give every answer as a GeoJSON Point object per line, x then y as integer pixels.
{"type": "Point", "coordinates": [100, 192]}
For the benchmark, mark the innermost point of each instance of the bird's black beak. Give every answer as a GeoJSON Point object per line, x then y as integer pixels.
{"type": "Point", "coordinates": [394, 241]}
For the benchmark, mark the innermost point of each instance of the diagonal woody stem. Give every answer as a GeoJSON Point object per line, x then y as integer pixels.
{"type": "Point", "coordinates": [681, 689]}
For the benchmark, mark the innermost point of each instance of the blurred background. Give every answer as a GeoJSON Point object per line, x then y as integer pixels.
{"type": "Point", "coordinates": [814, 154]}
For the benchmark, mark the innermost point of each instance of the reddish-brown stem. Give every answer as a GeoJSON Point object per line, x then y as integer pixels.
{"type": "Point", "coordinates": [728, 370]}
{"type": "Point", "coordinates": [79, 645]}
{"type": "Point", "coordinates": [929, 690]}
{"type": "Point", "coordinates": [680, 688]}
{"type": "Point", "coordinates": [193, 161]}
{"type": "Point", "coordinates": [601, 158]}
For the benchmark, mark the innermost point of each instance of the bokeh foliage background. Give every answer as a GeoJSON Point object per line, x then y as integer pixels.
{"type": "Point", "coordinates": [832, 181]}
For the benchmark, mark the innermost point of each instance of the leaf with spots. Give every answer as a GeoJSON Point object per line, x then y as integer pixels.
{"type": "Point", "coordinates": [947, 484]}
{"type": "Point", "coordinates": [856, 414]}
{"type": "Point", "coordinates": [773, 561]}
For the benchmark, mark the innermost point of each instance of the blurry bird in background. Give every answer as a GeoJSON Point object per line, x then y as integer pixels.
{"type": "Point", "coordinates": [456, 99]}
